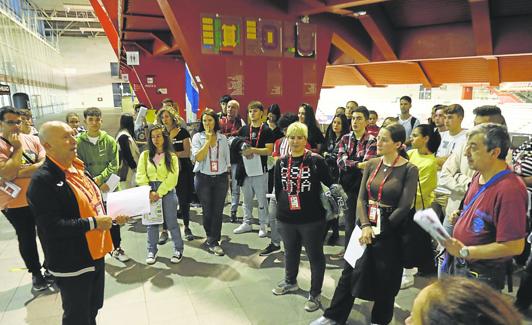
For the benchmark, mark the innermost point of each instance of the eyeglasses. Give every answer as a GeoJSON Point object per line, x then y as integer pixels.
{"type": "Point", "coordinates": [13, 122]}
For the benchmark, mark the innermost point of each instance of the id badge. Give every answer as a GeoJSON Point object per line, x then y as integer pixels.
{"type": "Point", "coordinates": [293, 200]}
{"type": "Point", "coordinates": [99, 210]}
{"type": "Point", "coordinates": [214, 166]}
{"type": "Point", "coordinates": [374, 214]}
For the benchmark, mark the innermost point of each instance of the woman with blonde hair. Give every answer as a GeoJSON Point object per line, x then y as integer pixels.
{"type": "Point", "coordinates": [301, 215]}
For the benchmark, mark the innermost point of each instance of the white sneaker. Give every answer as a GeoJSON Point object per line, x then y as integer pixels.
{"type": "Point", "coordinates": [323, 321]}
{"type": "Point", "coordinates": [120, 255]}
{"type": "Point", "coordinates": [244, 227]}
{"type": "Point", "coordinates": [151, 258]}
{"type": "Point", "coordinates": [407, 281]}
{"type": "Point", "coordinates": [263, 231]}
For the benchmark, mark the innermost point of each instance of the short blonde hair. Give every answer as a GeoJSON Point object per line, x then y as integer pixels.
{"type": "Point", "coordinates": [297, 129]}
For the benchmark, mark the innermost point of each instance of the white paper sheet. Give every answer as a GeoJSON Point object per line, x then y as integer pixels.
{"type": "Point", "coordinates": [131, 202]}
{"type": "Point", "coordinates": [354, 249]}
{"type": "Point", "coordinates": [253, 166]}
{"type": "Point", "coordinates": [429, 221]}
{"type": "Point", "coordinates": [140, 117]}
{"type": "Point", "coordinates": [155, 217]}
{"type": "Point", "coordinates": [112, 183]}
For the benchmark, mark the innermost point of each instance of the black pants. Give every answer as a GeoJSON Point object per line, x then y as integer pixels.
{"type": "Point", "coordinates": [212, 191]}
{"type": "Point", "coordinates": [24, 223]}
{"type": "Point", "coordinates": [309, 235]}
{"type": "Point", "coordinates": [115, 235]}
{"type": "Point", "coordinates": [82, 296]}
{"type": "Point", "coordinates": [524, 294]}
{"type": "Point", "coordinates": [342, 302]}
{"type": "Point", "coordinates": [349, 218]}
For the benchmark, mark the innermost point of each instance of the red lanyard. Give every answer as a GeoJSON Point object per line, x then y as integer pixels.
{"type": "Point", "coordinates": [217, 150]}
{"type": "Point", "coordinates": [381, 186]}
{"type": "Point", "coordinates": [258, 135]}
{"type": "Point", "coordinates": [299, 176]}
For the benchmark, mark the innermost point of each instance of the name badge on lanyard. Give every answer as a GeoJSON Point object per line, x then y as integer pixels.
{"type": "Point", "coordinates": [99, 209]}
{"type": "Point", "coordinates": [293, 200]}
{"type": "Point", "coordinates": [374, 215]}
{"type": "Point", "coordinates": [214, 163]}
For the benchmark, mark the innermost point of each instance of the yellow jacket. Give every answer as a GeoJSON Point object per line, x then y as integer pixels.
{"type": "Point", "coordinates": [148, 172]}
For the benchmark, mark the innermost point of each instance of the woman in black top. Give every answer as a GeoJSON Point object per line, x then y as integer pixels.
{"type": "Point", "coordinates": [298, 178]}
{"type": "Point", "coordinates": [180, 139]}
{"type": "Point", "coordinates": [306, 116]}
{"type": "Point", "coordinates": [338, 127]}
{"type": "Point", "coordinates": [386, 196]}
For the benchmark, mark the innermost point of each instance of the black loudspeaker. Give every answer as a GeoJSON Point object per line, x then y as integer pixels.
{"type": "Point", "coordinates": [21, 100]}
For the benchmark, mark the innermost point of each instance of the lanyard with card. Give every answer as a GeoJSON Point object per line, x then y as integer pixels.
{"type": "Point", "coordinates": [214, 163]}
{"type": "Point", "coordinates": [374, 211]}
{"type": "Point", "coordinates": [492, 180]}
{"type": "Point", "coordinates": [257, 138]}
{"type": "Point", "coordinates": [293, 199]}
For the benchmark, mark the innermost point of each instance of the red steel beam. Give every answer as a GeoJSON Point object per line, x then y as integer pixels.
{"type": "Point", "coordinates": [379, 32]}
{"type": "Point", "coordinates": [107, 24]}
{"type": "Point", "coordinates": [480, 17]}
{"type": "Point", "coordinates": [310, 7]}
{"type": "Point", "coordinates": [424, 78]}
{"type": "Point", "coordinates": [362, 77]}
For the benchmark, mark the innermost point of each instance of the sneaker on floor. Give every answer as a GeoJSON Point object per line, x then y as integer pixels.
{"type": "Point", "coordinates": [163, 238]}
{"type": "Point", "coordinates": [120, 255]}
{"type": "Point", "coordinates": [233, 217]}
{"type": "Point", "coordinates": [244, 227]}
{"type": "Point", "coordinates": [188, 234]}
{"type": "Point", "coordinates": [272, 248]}
{"type": "Point", "coordinates": [337, 257]}
{"type": "Point", "coordinates": [312, 303]}
{"type": "Point", "coordinates": [283, 288]}
{"type": "Point", "coordinates": [216, 250]}
{"type": "Point", "coordinates": [324, 321]}
{"type": "Point", "coordinates": [38, 283]}
{"type": "Point", "coordinates": [407, 281]}
{"type": "Point", "coordinates": [263, 231]}
{"type": "Point", "coordinates": [152, 257]}
{"type": "Point", "coordinates": [177, 257]}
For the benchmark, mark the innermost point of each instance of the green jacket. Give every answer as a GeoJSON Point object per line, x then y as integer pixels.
{"type": "Point", "coordinates": [101, 159]}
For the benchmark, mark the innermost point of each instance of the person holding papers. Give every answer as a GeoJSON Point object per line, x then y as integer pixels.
{"type": "Point", "coordinates": [99, 152]}
{"type": "Point", "coordinates": [210, 150]}
{"type": "Point", "coordinates": [159, 168]}
{"type": "Point", "coordinates": [20, 156]}
{"type": "Point", "coordinates": [491, 228]}
{"type": "Point", "coordinates": [259, 137]}
{"type": "Point", "coordinates": [386, 196]}
{"type": "Point", "coordinates": [72, 224]}
{"type": "Point", "coordinates": [298, 178]}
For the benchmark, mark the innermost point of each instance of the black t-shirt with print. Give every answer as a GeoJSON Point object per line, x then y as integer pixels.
{"type": "Point", "coordinates": [313, 173]}
{"type": "Point", "coordinates": [265, 137]}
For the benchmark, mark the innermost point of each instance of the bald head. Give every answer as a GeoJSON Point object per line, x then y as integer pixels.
{"type": "Point", "coordinates": [48, 128]}
{"type": "Point", "coordinates": [232, 108]}
{"type": "Point", "coordinates": [59, 142]}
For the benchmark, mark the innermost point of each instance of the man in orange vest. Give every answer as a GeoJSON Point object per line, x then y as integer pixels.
{"type": "Point", "coordinates": [72, 223]}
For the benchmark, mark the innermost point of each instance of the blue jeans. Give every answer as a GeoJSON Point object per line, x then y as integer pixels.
{"type": "Point", "coordinates": [258, 186]}
{"type": "Point", "coordinates": [170, 217]}
{"type": "Point", "coordinates": [211, 193]}
{"type": "Point", "coordinates": [235, 189]}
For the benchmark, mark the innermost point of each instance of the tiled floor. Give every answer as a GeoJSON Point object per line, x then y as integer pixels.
{"type": "Point", "coordinates": [202, 289]}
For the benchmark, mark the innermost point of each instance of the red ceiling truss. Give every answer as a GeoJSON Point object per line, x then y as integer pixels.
{"type": "Point", "coordinates": [371, 42]}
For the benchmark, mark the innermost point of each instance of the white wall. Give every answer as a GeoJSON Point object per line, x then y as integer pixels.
{"type": "Point", "coordinates": [88, 71]}
{"type": "Point", "coordinates": [385, 101]}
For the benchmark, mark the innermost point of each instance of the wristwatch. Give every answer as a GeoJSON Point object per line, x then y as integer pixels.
{"type": "Point", "coordinates": [464, 252]}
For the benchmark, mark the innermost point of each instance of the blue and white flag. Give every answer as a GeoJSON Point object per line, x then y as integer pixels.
{"type": "Point", "coordinates": [191, 97]}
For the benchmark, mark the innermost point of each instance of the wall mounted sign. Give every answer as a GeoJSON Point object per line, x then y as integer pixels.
{"type": "Point", "coordinates": [150, 80]}
{"type": "Point", "coordinates": [133, 57]}
{"type": "Point", "coordinates": [221, 34]}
